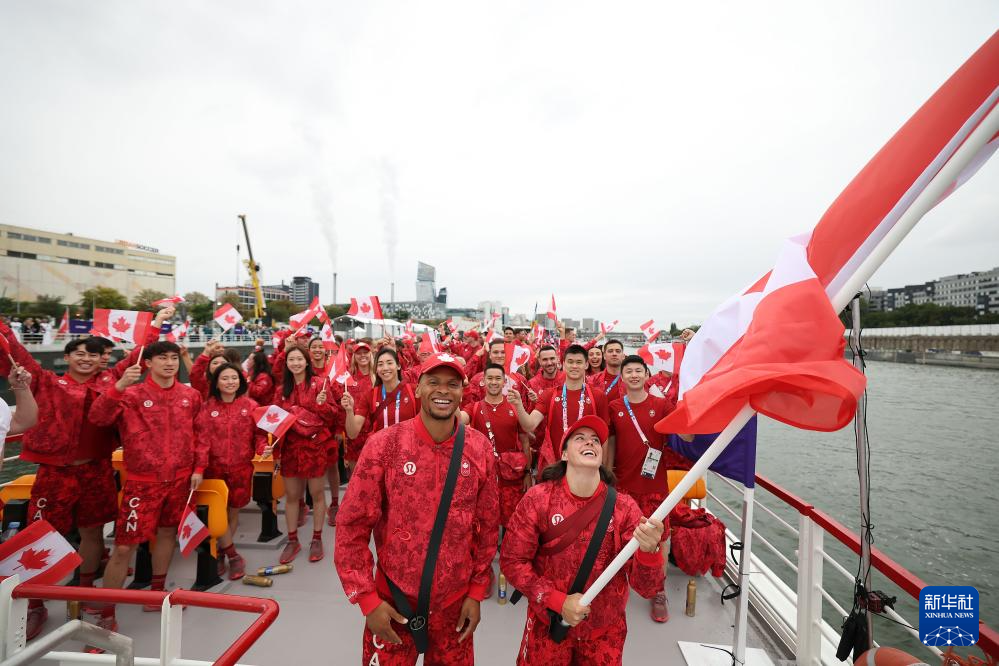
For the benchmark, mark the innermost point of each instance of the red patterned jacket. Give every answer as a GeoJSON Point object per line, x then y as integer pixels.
{"type": "Point", "coordinates": [545, 580]}
{"type": "Point", "coordinates": [261, 388]}
{"type": "Point", "coordinates": [312, 420]}
{"type": "Point", "coordinates": [156, 427]}
{"type": "Point", "coordinates": [63, 404]}
{"type": "Point", "coordinates": [231, 432]}
{"type": "Point", "coordinates": [393, 494]}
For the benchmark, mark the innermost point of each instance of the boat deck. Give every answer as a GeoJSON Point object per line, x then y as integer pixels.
{"type": "Point", "coordinates": [317, 625]}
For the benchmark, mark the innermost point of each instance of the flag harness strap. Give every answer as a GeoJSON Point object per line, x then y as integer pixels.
{"type": "Point", "coordinates": [417, 623]}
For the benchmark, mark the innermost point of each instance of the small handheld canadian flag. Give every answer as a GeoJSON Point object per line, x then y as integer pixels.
{"type": "Point", "coordinates": [552, 312]}
{"type": "Point", "coordinates": [329, 338]}
{"type": "Point", "coordinates": [191, 531]}
{"type": "Point", "coordinates": [63, 325]}
{"type": "Point", "coordinates": [517, 356]}
{"type": "Point", "coordinates": [227, 316]}
{"type": "Point", "coordinates": [172, 300]}
{"type": "Point", "coordinates": [178, 333]}
{"type": "Point", "coordinates": [663, 357]}
{"type": "Point", "coordinates": [650, 330]}
{"type": "Point", "coordinates": [274, 420]}
{"type": "Point", "coordinates": [339, 368]}
{"type": "Point", "coordinates": [451, 326]}
{"type": "Point", "coordinates": [428, 345]}
{"type": "Point", "coordinates": [38, 553]}
{"type": "Point", "coordinates": [366, 307]}
{"type": "Point", "coordinates": [607, 328]}
{"type": "Point", "coordinates": [299, 320]}
{"type": "Point", "coordinates": [126, 325]}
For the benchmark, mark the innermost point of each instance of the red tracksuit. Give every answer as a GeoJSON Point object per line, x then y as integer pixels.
{"type": "Point", "coordinates": [199, 375]}
{"type": "Point", "coordinates": [551, 406]}
{"type": "Point", "coordinates": [303, 449]}
{"type": "Point", "coordinates": [611, 385]}
{"type": "Point", "coordinates": [161, 451]}
{"type": "Point", "coordinates": [545, 579]}
{"type": "Point", "coordinates": [387, 408]}
{"type": "Point", "coordinates": [476, 389]}
{"type": "Point", "coordinates": [361, 392]}
{"type": "Point", "coordinates": [261, 388]}
{"type": "Point", "coordinates": [74, 483]}
{"type": "Point", "coordinates": [499, 423]}
{"type": "Point", "coordinates": [393, 495]}
{"type": "Point", "coordinates": [233, 439]}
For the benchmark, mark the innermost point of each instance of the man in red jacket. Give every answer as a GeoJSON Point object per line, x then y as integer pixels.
{"type": "Point", "coordinates": [608, 380]}
{"type": "Point", "coordinates": [164, 461]}
{"type": "Point", "coordinates": [394, 495]}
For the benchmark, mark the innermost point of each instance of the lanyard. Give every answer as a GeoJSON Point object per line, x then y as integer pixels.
{"type": "Point", "coordinates": [489, 425]}
{"type": "Point", "coordinates": [398, 397]}
{"type": "Point", "coordinates": [613, 384]}
{"type": "Point", "coordinates": [565, 408]}
{"type": "Point", "coordinates": [634, 421]}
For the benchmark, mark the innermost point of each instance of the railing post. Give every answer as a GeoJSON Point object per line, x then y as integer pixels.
{"type": "Point", "coordinates": [808, 650]}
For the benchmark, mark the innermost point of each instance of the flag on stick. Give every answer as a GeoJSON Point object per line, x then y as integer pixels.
{"type": "Point", "coordinates": [125, 325]}
{"type": "Point", "coordinates": [38, 553]}
{"type": "Point", "coordinates": [191, 531]}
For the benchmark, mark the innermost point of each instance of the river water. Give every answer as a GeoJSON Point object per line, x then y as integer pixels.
{"type": "Point", "coordinates": [934, 439]}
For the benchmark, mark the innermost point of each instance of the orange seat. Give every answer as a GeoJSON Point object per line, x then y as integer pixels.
{"type": "Point", "coordinates": [214, 494]}
{"type": "Point", "coordinates": [18, 489]}
{"type": "Point", "coordinates": [266, 465]}
{"type": "Point", "coordinates": [697, 491]}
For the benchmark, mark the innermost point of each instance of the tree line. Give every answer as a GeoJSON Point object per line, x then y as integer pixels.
{"type": "Point", "coordinates": [926, 314]}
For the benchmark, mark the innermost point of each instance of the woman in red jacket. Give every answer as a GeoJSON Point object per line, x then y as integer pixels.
{"type": "Point", "coordinates": [392, 399]}
{"type": "Point", "coordinates": [206, 363]}
{"type": "Point", "coordinates": [261, 385]}
{"type": "Point", "coordinates": [318, 357]}
{"type": "Point", "coordinates": [544, 546]}
{"type": "Point", "coordinates": [226, 421]}
{"type": "Point", "coordinates": [302, 451]}
{"type": "Point", "coordinates": [355, 402]}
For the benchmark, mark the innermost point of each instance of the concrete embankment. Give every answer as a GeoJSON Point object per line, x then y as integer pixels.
{"type": "Point", "coordinates": [954, 360]}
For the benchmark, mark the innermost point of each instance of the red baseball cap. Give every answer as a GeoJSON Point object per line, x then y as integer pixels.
{"type": "Point", "coordinates": [591, 421]}
{"type": "Point", "coordinates": [362, 344]}
{"type": "Point", "coordinates": [472, 334]}
{"type": "Point", "coordinates": [443, 359]}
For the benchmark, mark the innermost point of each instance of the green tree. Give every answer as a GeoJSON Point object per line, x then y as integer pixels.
{"type": "Point", "coordinates": [7, 305]}
{"type": "Point", "coordinates": [335, 311]}
{"type": "Point", "coordinates": [196, 298]}
{"type": "Point", "coordinates": [281, 310]}
{"type": "Point", "coordinates": [201, 312]}
{"type": "Point", "coordinates": [102, 297]}
{"type": "Point", "coordinates": [50, 305]}
{"type": "Point", "coordinates": [143, 301]}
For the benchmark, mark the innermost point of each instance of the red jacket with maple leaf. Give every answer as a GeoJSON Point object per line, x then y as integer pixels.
{"type": "Point", "coordinates": [545, 580]}
{"type": "Point", "coordinates": [157, 429]}
{"type": "Point", "coordinates": [312, 420]}
{"type": "Point", "coordinates": [199, 374]}
{"type": "Point", "coordinates": [231, 431]}
{"type": "Point", "coordinates": [393, 494]}
{"type": "Point", "coordinates": [261, 388]}
{"type": "Point", "coordinates": [63, 434]}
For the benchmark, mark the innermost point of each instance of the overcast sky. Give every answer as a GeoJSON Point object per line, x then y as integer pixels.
{"type": "Point", "coordinates": [637, 159]}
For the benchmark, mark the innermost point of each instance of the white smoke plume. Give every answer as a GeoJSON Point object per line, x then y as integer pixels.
{"type": "Point", "coordinates": [322, 199]}
{"type": "Point", "coordinates": [389, 188]}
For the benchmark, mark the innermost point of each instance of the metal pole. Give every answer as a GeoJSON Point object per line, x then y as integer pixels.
{"type": "Point", "coordinates": [860, 429]}
{"type": "Point", "coordinates": [742, 610]}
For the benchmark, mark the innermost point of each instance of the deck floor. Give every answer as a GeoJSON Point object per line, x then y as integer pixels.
{"type": "Point", "coordinates": [318, 626]}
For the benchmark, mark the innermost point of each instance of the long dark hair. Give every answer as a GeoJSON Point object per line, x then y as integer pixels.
{"type": "Point", "coordinates": [260, 363]}
{"type": "Point", "coordinates": [288, 385]}
{"type": "Point", "coordinates": [557, 470]}
{"type": "Point", "coordinates": [374, 363]}
{"type": "Point", "coordinates": [213, 380]}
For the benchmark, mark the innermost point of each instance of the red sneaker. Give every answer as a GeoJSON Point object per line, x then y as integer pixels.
{"type": "Point", "coordinates": [316, 550]}
{"type": "Point", "coordinates": [291, 551]}
{"type": "Point", "coordinates": [660, 609]}
{"type": "Point", "coordinates": [109, 623]}
{"type": "Point", "coordinates": [237, 567]}
{"type": "Point", "coordinates": [331, 515]}
{"type": "Point", "coordinates": [36, 620]}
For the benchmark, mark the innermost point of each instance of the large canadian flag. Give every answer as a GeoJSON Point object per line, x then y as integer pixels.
{"type": "Point", "coordinates": [191, 531]}
{"type": "Point", "coordinates": [662, 357]}
{"type": "Point", "coordinates": [274, 420]}
{"type": "Point", "coordinates": [299, 320]}
{"type": "Point", "coordinates": [38, 553]}
{"type": "Point", "coordinates": [366, 307]}
{"type": "Point", "coordinates": [125, 325]}
{"type": "Point", "coordinates": [517, 356]}
{"type": "Point", "coordinates": [778, 344]}
{"type": "Point", "coordinates": [552, 312]}
{"type": "Point", "coordinates": [227, 316]}
{"type": "Point", "coordinates": [338, 369]}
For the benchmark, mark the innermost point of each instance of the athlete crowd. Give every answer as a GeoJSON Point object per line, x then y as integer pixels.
{"type": "Point", "coordinates": [451, 459]}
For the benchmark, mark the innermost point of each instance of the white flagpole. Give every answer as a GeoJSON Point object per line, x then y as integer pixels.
{"type": "Point", "coordinates": [742, 609]}
{"type": "Point", "coordinates": [926, 200]}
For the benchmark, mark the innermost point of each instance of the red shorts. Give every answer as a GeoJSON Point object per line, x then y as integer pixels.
{"type": "Point", "coordinates": [238, 479]}
{"type": "Point", "coordinates": [443, 650]}
{"type": "Point", "coordinates": [332, 452]}
{"type": "Point", "coordinates": [537, 647]}
{"type": "Point", "coordinates": [303, 459]}
{"type": "Point", "coordinates": [509, 497]}
{"type": "Point", "coordinates": [148, 505]}
{"type": "Point", "coordinates": [74, 495]}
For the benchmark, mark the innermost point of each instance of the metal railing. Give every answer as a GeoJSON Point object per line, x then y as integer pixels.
{"type": "Point", "coordinates": [806, 627]}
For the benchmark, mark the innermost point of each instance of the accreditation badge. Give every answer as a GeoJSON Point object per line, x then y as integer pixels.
{"type": "Point", "coordinates": [651, 463]}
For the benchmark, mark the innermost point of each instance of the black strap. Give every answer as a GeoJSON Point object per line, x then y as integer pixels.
{"type": "Point", "coordinates": [735, 546]}
{"type": "Point", "coordinates": [557, 629]}
{"type": "Point", "coordinates": [418, 621]}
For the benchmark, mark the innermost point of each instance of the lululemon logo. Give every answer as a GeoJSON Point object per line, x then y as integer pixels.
{"type": "Point", "coordinates": [409, 468]}
{"type": "Point", "coordinates": [620, 414]}
{"type": "Point", "coordinates": [147, 403]}
{"type": "Point", "coordinates": [557, 518]}
{"type": "Point", "coordinates": [215, 413]}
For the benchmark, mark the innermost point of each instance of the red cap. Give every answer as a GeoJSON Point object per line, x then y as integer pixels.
{"type": "Point", "coordinates": [472, 334]}
{"type": "Point", "coordinates": [592, 421]}
{"type": "Point", "coordinates": [362, 344]}
{"type": "Point", "coordinates": [448, 360]}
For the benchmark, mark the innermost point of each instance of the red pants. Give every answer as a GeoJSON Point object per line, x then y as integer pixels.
{"type": "Point", "coordinates": [74, 495]}
{"type": "Point", "coordinates": [444, 648]}
{"type": "Point", "coordinates": [537, 647]}
{"type": "Point", "coordinates": [509, 496]}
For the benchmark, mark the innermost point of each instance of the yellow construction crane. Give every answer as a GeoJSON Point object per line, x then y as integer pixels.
{"type": "Point", "coordinates": [259, 308]}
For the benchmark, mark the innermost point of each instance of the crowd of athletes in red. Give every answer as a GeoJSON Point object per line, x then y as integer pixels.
{"type": "Point", "coordinates": [539, 450]}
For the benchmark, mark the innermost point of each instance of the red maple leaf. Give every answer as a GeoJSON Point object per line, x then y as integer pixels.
{"type": "Point", "coordinates": [521, 358]}
{"type": "Point", "coordinates": [121, 325]}
{"type": "Point", "coordinates": [185, 532]}
{"type": "Point", "coordinates": [229, 319]}
{"type": "Point", "coordinates": [272, 418]}
{"type": "Point", "coordinates": [34, 559]}
{"type": "Point", "coordinates": [663, 354]}
{"type": "Point", "coordinates": [365, 308]}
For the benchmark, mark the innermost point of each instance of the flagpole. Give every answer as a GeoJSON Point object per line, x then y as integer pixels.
{"type": "Point", "coordinates": [742, 609]}
{"type": "Point", "coordinates": [926, 200]}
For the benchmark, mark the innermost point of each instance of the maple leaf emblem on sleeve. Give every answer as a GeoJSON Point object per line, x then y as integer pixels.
{"type": "Point", "coordinates": [34, 559]}
{"type": "Point", "coordinates": [663, 354]}
{"type": "Point", "coordinates": [229, 319]}
{"type": "Point", "coordinates": [273, 418]}
{"type": "Point", "coordinates": [365, 307]}
{"type": "Point", "coordinates": [121, 325]}
{"type": "Point", "coordinates": [185, 532]}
